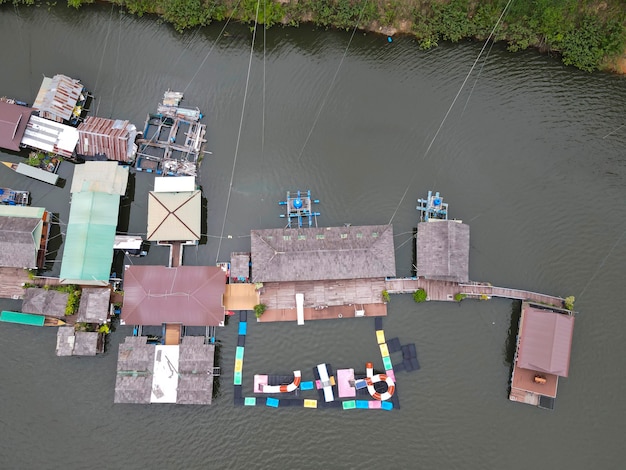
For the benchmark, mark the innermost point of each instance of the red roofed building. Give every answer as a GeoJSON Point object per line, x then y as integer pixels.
{"type": "Point", "coordinates": [544, 344]}
{"type": "Point", "coordinates": [13, 121]}
{"type": "Point", "coordinates": [189, 295]}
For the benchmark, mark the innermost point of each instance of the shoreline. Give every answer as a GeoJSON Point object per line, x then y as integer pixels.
{"type": "Point", "coordinates": [588, 36]}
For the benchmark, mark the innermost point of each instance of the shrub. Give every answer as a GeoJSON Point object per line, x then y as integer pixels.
{"type": "Point", "coordinates": [568, 302]}
{"type": "Point", "coordinates": [419, 295]}
{"type": "Point", "coordinates": [458, 296]}
{"type": "Point", "coordinates": [73, 302]}
{"type": "Point", "coordinates": [259, 310]}
{"type": "Point", "coordinates": [385, 296]}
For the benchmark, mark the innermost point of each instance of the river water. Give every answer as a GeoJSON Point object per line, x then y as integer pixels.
{"type": "Point", "coordinates": [531, 156]}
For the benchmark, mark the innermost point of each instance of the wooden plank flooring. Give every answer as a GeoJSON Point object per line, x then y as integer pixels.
{"type": "Point", "coordinates": [11, 281]}
{"type": "Point", "coordinates": [328, 313]}
{"type": "Point", "coordinates": [322, 294]}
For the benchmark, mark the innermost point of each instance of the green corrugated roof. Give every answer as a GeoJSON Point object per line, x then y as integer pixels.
{"type": "Point", "coordinates": [22, 318]}
{"type": "Point", "coordinates": [21, 211]}
{"type": "Point", "coordinates": [88, 246]}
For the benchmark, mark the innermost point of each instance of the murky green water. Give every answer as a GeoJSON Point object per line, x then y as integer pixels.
{"type": "Point", "coordinates": [524, 157]}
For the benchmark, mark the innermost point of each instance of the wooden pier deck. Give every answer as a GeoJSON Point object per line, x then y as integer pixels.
{"type": "Point", "coordinates": [436, 290]}
{"type": "Point", "coordinates": [445, 290]}
{"type": "Point", "coordinates": [478, 290]}
{"type": "Point", "coordinates": [322, 294]}
{"type": "Point", "coordinates": [12, 281]}
{"type": "Point", "coordinates": [326, 313]}
{"type": "Point", "coordinates": [176, 254]}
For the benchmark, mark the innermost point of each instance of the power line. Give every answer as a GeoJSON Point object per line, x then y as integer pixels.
{"type": "Point", "coordinates": [243, 110]}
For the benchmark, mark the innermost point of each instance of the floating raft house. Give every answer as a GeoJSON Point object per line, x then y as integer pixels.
{"type": "Point", "coordinates": [62, 99]}
{"type": "Point", "coordinates": [299, 208]}
{"type": "Point", "coordinates": [432, 207]}
{"type": "Point", "coordinates": [172, 139]}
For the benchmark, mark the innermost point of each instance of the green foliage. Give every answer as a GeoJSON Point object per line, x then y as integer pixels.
{"type": "Point", "coordinates": [385, 296]}
{"type": "Point", "coordinates": [35, 159]}
{"type": "Point", "coordinates": [344, 14]}
{"type": "Point", "coordinates": [458, 296]}
{"type": "Point", "coordinates": [78, 3]}
{"type": "Point", "coordinates": [585, 32]}
{"type": "Point", "coordinates": [452, 20]}
{"type": "Point", "coordinates": [73, 301]}
{"type": "Point", "coordinates": [104, 329]}
{"type": "Point", "coordinates": [520, 37]}
{"type": "Point", "coordinates": [31, 274]}
{"type": "Point", "coordinates": [259, 310]}
{"type": "Point", "coordinates": [568, 302]}
{"type": "Point", "coordinates": [420, 295]}
{"type": "Point", "coordinates": [185, 14]}
{"type": "Point", "coordinates": [587, 45]}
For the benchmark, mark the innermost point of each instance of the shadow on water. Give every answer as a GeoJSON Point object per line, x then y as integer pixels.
{"type": "Point", "coordinates": [203, 219]}
{"type": "Point", "coordinates": [55, 240]}
{"type": "Point", "coordinates": [123, 218]}
{"type": "Point", "coordinates": [216, 363]}
{"type": "Point", "coordinates": [511, 341]}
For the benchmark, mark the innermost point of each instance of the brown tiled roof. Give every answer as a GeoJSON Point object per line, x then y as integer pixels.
{"type": "Point", "coordinates": [307, 254]}
{"type": "Point", "coordinates": [18, 249]}
{"type": "Point", "coordinates": [191, 295]}
{"type": "Point", "coordinates": [442, 250]}
{"type": "Point", "coordinates": [545, 341]}
{"type": "Point", "coordinates": [13, 121]}
{"type": "Point", "coordinates": [45, 302]}
{"type": "Point", "coordinates": [94, 305]}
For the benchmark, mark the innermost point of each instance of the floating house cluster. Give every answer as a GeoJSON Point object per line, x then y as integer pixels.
{"type": "Point", "coordinates": [299, 273]}
{"type": "Point", "coordinates": [57, 124]}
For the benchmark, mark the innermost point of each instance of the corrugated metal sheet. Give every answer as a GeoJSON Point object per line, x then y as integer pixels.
{"type": "Point", "coordinates": [545, 341]}
{"type": "Point", "coordinates": [101, 177]}
{"type": "Point", "coordinates": [57, 97]}
{"type": "Point", "coordinates": [37, 173]}
{"type": "Point", "coordinates": [22, 318]}
{"type": "Point", "coordinates": [174, 216]}
{"type": "Point", "coordinates": [50, 136]}
{"type": "Point", "coordinates": [88, 246]}
{"type": "Point", "coordinates": [112, 138]}
{"type": "Point", "coordinates": [191, 295]}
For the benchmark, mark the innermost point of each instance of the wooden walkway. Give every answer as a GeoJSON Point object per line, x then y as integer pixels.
{"type": "Point", "coordinates": [436, 290]}
{"type": "Point", "coordinates": [478, 290]}
{"type": "Point", "coordinates": [445, 290]}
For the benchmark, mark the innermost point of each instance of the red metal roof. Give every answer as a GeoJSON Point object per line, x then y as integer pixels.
{"type": "Point", "coordinates": [545, 341]}
{"type": "Point", "coordinates": [191, 295]}
{"type": "Point", "coordinates": [13, 121]}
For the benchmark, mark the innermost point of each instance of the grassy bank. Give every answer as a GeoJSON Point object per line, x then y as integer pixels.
{"type": "Point", "coordinates": [588, 34]}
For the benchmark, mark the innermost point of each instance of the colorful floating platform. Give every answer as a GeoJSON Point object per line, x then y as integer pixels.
{"type": "Point", "coordinates": [343, 389]}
